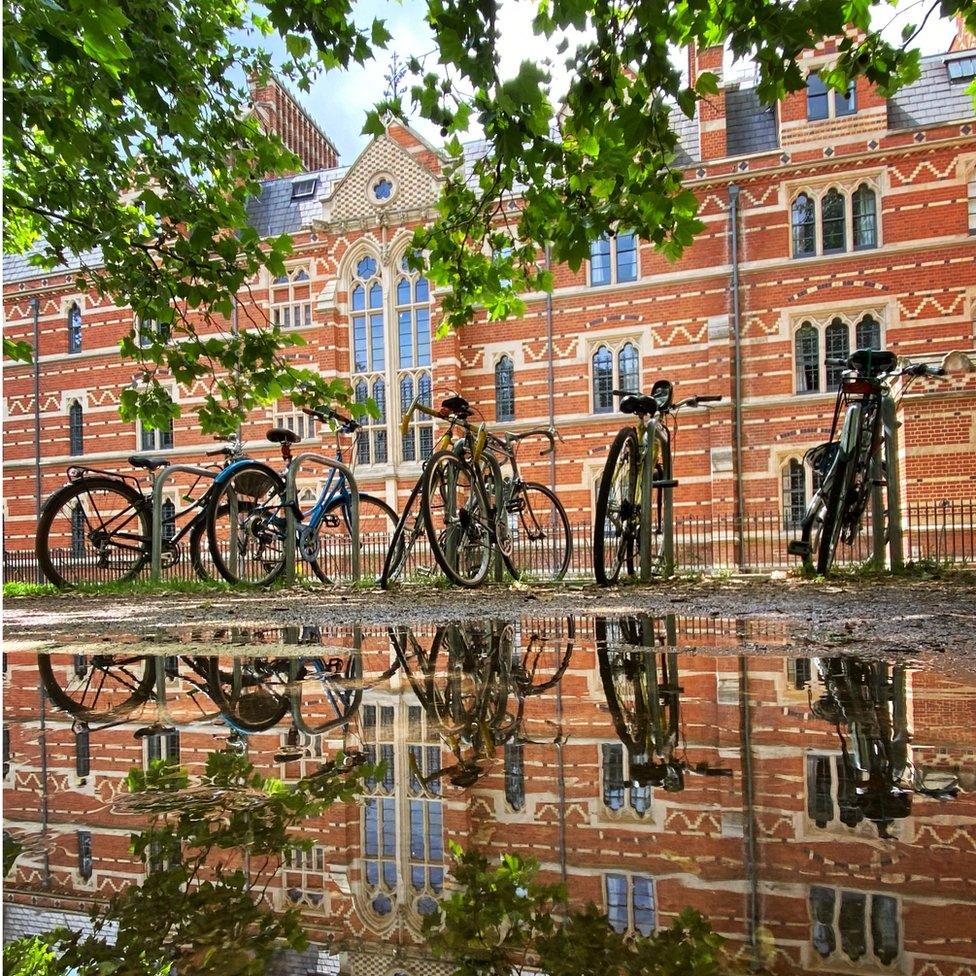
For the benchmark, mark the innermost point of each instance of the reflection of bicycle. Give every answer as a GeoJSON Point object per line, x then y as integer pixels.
{"type": "Point", "coordinates": [247, 516]}
{"type": "Point", "coordinates": [470, 510]}
{"type": "Point", "coordinates": [631, 527]}
{"type": "Point", "coordinates": [878, 779]}
{"type": "Point", "coordinates": [98, 527]}
{"type": "Point", "coordinates": [844, 463]}
{"type": "Point", "coordinates": [643, 693]}
{"type": "Point", "coordinates": [472, 682]}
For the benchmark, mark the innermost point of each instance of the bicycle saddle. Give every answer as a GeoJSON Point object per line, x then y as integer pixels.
{"type": "Point", "coordinates": [458, 406]}
{"type": "Point", "coordinates": [639, 404]}
{"type": "Point", "coordinates": [149, 463]}
{"type": "Point", "coordinates": [282, 435]}
{"type": "Point", "coordinates": [872, 362]}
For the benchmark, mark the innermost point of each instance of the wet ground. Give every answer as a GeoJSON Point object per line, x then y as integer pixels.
{"type": "Point", "coordinates": [896, 616]}
{"type": "Point", "coordinates": [797, 762]}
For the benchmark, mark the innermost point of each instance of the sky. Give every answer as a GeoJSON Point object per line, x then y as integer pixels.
{"type": "Point", "coordinates": [339, 100]}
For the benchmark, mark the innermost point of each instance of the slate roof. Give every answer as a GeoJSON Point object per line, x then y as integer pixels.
{"type": "Point", "coordinates": [750, 126]}
{"type": "Point", "coordinates": [274, 212]}
{"type": "Point", "coordinates": [933, 98]}
{"type": "Point", "coordinates": [17, 267]}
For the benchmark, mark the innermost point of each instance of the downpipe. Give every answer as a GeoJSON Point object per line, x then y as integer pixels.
{"type": "Point", "coordinates": [740, 504]}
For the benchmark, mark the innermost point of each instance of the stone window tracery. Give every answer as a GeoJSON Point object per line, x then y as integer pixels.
{"type": "Point", "coordinates": [854, 927]}
{"type": "Point", "coordinates": [834, 219]}
{"type": "Point", "coordinates": [614, 366]}
{"type": "Point", "coordinates": [630, 903]}
{"type": "Point", "coordinates": [816, 341]}
{"type": "Point", "coordinates": [291, 299]}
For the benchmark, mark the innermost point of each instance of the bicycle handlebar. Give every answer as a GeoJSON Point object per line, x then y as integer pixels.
{"type": "Point", "coordinates": [328, 414]}
{"type": "Point", "coordinates": [550, 433]}
{"type": "Point", "coordinates": [695, 401]}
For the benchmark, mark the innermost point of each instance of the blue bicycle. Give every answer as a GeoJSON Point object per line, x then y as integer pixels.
{"type": "Point", "coordinates": [246, 521]}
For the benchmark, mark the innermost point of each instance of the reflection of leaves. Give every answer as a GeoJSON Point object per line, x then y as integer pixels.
{"type": "Point", "coordinates": [502, 918]}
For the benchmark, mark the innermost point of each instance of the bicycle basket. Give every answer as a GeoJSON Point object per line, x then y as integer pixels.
{"type": "Point", "coordinates": [821, 457]}
{"type": "Point", "coordinates": [252, 484]}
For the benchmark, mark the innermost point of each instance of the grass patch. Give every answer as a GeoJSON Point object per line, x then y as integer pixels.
{"type": "Point", "coordinates": [129, 588]}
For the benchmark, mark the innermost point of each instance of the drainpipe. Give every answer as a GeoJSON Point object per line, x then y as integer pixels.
{"type": "Point", "coordinates": [550, 375]}
{"type": "Point", "coordinates": [35, 304]}
{"type": "Point", "coordinates": [740, 504]}
{"type": "Point", "coordinates": [749, 825]}
{"type": "Point", "coordinates": [45, 813]}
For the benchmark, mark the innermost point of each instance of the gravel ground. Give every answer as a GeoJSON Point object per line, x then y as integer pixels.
{"type": "Point", "coordinates": [916, 616]}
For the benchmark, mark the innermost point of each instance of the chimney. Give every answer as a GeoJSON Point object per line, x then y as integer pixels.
{"type": "Point", "coordinates": [711, 110]}
{"type": "Point", "coordinates": [279, 113]}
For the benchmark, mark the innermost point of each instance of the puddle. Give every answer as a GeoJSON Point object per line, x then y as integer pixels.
{"type": "Point", "coordinates": [819, 812]}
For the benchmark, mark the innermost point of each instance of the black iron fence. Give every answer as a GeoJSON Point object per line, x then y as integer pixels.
{"type": "Point", "coordinates": [937, 531]}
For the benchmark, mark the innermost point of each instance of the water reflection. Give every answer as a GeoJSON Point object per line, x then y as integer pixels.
{"type": "Point", "coordinates": [819, 805]}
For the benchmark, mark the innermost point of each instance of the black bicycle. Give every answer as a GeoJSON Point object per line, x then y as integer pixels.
{"type": "Point", "coordinates": [844, 463]}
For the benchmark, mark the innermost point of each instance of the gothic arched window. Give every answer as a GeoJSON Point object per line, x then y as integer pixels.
{"type": "Point", "coordinates": [833, 218]}
{"type": "Point", "coordinates": [602, 380]}
{"type": "Point", "coordinates": [74, 328]}
{"type": "Point", "coordinates": [76, 428]}
{"type": "Point", "coordinates": [865, 217]}
{"type": "Point", "coordinates": [412, 309]}
{"type": "Point", "coordinates": [628, 368]}
{"type": "Point", "coordinates": [504, 389]}
{"type": "Point", "coordinates": [803, 221]}
{"type": "Point", "coordinates": [837, 346]}
{"type": "Point", "coordinates": [807, 342]}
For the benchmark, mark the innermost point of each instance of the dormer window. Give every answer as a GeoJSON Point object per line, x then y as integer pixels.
{"type": "Point", "coordinates": [819, 100]}
{"type": "Point", "coordinates": [304, 188]}
{"type": "Point", "coordinates": [962, 69]}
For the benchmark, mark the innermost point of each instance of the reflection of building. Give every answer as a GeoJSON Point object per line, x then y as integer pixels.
{"type": "Point", "coordinates": [855, 225]}
{"type": "Point", "coordinates": [766, 853]}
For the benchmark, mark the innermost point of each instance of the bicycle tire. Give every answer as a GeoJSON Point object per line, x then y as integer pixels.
{"type": "Point", "coordinates": [228, 709]}
{"type": "Point", "coordinates": [63, 496]}
{"type": "Point", "coordinates": [197, 532]}
{"type": "Point", "coordinates": [626, 439]}
{"type": "Point", "coordinates": [216, 505]}
{"type": "Point", "coordinates": [841, 474]}
{"type": "Point", "coordinates": [567, 549]}
{"type": "Point", "coordinates": [399, 549]}
{"type": "Point", "coordinates": [366, 503]}
{"type": "Point", "coordinates": [59, 697]}
{"type": "Point", "coordinates": [438, 545]}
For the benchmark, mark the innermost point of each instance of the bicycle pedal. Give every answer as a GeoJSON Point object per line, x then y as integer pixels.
{"type": "Point", "coordinates": [798, 548]}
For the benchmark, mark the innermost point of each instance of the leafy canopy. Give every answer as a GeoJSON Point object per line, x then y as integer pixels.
{"type": "Point", "coordinates": [127, 130]}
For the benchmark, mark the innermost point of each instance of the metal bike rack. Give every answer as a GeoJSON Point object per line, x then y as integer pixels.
{"type": "Point", "coordinates": [667, 514]}
{"type": "Point", "coordinates": [291, 506]}
{"type": "Point", "coordinates": [891, 493]}
{"type": "Point", "coordinates": [156, 565]}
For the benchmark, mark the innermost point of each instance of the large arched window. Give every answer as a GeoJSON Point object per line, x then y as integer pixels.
{"type": "Point", "coordinates": [74, 328]}
{"type": "Point", "coordinates": [413, 376]}
{"type": "Point", "coordinates": [807, 343]}
{"type": "Point", "coordinates": [794, 493]}
{"type": "Point", "coordinates": [837, 347]}
{"type": "Point", "coordinates": [373, 441]}
{"type": "Point", "coordinates": [832, 220]}
{"type": "Point", "coordinates": [803, 221]}
{"type": "Point", "coordinates": [504, 389]}
{"type": "Point", "coordinates": [865, 209]}
{"type": "Point", "coordinates": [366, 302]}
{"type": "Point", "coordinates": [602, 380]}
{"type": "Point", "coordinates": [628, 367]}
{"type": "Point", "coordinates": [76, 428]}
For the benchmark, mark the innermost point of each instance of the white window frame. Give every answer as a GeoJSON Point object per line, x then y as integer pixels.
{"type": "Point", "coordinates": [614, 279]}
{"type": "Point", "coordinates": [293, 419]}
{"type": "Point", "coordinates": [630, 877]}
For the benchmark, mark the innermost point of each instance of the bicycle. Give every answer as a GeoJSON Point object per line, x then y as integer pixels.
{"type": "Point", "coordinates": [844, 462]}
{"type": "Point", "coordinates": [469, 510]}
{"type": "Point", "coordinates": [247, 515]}
{"type": "Point", "coordinates": [636, 475]}
{"type": "Point", "coordinates": [106, 520]}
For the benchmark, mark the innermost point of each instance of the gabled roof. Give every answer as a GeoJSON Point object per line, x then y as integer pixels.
{"type": "Point", "coordinates": [274, 212]}
{"type": "Point", "coordinates": [750, 126]}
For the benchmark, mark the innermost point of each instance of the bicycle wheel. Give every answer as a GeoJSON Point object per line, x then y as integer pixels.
{"type": "Point", "coordinates": [542, 541]}
{"type": "Point", "coordinates": [97, 687]}
{"type": "Point", "coordinates": [457, 518]}
{"type": "Point", "coordinates": [251, 693]}
{"type": "Point", "coordinates": [197, 533]}
{"type": "Point", "coordinates": [409, 528]}
{"type": "Point", "coordinates": [251, 547]}
{"type": "Point", "coordinates": [617, 521]}
{"type": "Point", "coordinates": [96, 530]}
{"type": "Point", "coordinates": [333, 551]}
{"type": "Point", "coordinates": [841, 475]}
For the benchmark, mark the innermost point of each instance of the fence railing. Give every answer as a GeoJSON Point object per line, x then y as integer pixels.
{"type": "Point", "coordinates": [939, 531]}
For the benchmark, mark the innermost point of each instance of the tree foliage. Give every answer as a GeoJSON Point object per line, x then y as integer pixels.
{"type": "Point", "coordinates": [501, 921]}
{"type": "Point", "coordinates": [211, 848]}
{"type": "Point", "coordinates": [128, 143]}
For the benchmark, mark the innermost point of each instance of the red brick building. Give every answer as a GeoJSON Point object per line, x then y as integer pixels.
{"type": "Point", "coordinates": [853, 221]}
